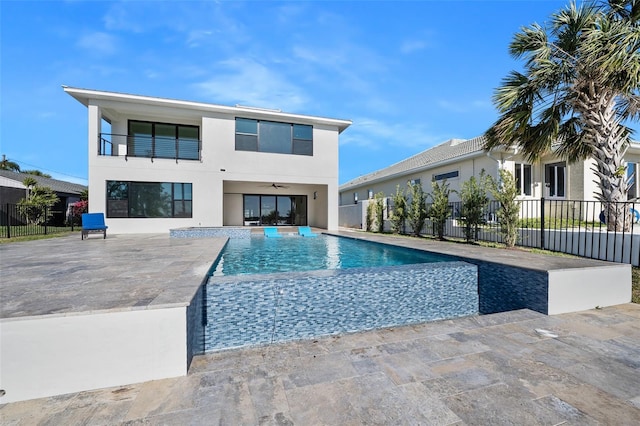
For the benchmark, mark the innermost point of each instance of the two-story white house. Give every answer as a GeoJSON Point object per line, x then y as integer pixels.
{"type": "Point", "coordinates": [157, 164]}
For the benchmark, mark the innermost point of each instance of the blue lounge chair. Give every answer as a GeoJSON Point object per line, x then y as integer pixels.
{"type": "Point", "coordinates": [305, 231]}
{"type": "Point", "coordinates": [92, 223]}
{"type": "Point", "coordinates": [271, 233]}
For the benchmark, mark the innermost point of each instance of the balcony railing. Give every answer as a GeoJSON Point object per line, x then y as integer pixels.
{"type": "Point", "coordinates": [149, 147]}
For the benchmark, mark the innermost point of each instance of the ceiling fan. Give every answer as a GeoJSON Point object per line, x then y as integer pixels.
{"type": "Point", "coordinates": [275, 186]}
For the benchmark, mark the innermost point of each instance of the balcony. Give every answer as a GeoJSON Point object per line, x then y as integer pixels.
{"type": "Point", "coordinates": [149, 147]}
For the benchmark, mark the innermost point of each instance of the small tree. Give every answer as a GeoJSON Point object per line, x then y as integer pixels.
{"type": "Point", "coordinates": [379, 211]}
{"type": "Point", "coordinates": [399, 214]}
{"type": "Point", "coordinates": [473, 195]}
{"type": "Point", "coordinates": [505, 191]}
{"type": "Point", "coordinates": [417, 211]}
{"type": "Point", "coordinates": [439, 211]}
{"type": "Point", "coordinates": [36, 206]}
{"type": "Point", "coordinates": [370, 217]}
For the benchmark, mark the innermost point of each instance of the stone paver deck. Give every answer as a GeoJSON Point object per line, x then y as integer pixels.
{"type": "Point", "coordinates": [518, 367]}
{"type": "Point", "coordinates": [62, 276]}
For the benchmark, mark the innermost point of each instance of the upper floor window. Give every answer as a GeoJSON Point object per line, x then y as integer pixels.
{"type": "Point", "coordinates": [163, 140]}
{"type": "Point", "coordinates": [149, 199]}
{"type": "Point", "coordinates": [414, 181]}
{"type": "Point", "coordinates": [523, 178]}
{"type": "Point", "coordinates": [632, 181]}
{"type": "Point", "coordinates": [554, 178]}
{"type": "Point", "coordinates": [443, 176]}
{"type": "Point", "coordinates": [270, 136]}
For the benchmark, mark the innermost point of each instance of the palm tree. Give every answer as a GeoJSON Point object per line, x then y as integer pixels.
{"type": "Point", "coordinates": [579, 89]}
{"type": "Point", "coordinates": [6, 164]}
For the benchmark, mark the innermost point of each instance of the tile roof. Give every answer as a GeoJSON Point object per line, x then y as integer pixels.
{"type": "Point", "coordinates": [449, 150]}
{"type": "Point", "coordinates": [59, 186]}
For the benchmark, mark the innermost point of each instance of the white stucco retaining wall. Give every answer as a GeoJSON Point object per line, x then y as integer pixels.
{"type": "Point", "coordinates": [45, 356]}
{"type": "Point", "coordinates": [573, 290]}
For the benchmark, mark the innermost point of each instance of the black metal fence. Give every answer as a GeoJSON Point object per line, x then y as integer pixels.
{"type": "Point", "coordinates": [20, 222]}
{"type": "Point", "coordinates": [575, 227]}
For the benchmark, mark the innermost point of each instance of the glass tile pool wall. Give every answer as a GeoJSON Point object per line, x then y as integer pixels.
{"type": "Point", "coordinates": [252, 308]}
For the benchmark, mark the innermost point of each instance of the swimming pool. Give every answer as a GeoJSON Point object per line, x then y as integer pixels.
{"type": "Point", "coordinates": [277, 290]}
{"type": "Point", "coordinates": [260, 255]}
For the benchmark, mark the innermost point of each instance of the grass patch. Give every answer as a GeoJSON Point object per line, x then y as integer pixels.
{"type": "Point", "coordinates": [635, 285]}
{"type": "Point", "coordinates": [36, 237]}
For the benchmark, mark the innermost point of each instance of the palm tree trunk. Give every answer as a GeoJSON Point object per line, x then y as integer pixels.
{"type": "Point", "coordinates": [608, 140]}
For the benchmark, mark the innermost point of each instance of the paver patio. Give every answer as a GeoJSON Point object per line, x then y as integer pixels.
{"type": "Point", "coordinates": [519, 367]}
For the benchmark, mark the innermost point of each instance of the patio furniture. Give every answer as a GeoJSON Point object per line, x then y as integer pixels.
{"type": "Point", "coordinates": [93, 223]}
{"type": "Point", "coordinates": [305, 231]}
{"type": "Point", "coordinates": [271, 233]}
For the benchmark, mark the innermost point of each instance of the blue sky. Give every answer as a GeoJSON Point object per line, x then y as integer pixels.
{"type": "Point", "coordinates": [408, 74]}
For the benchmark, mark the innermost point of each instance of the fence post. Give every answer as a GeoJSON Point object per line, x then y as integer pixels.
{"type": "Point", "coordinates": [46, 219]}
{"type": "Point", "coordinates": [8, 222]}
{"type": "Point", "coordinates": [542, 223]}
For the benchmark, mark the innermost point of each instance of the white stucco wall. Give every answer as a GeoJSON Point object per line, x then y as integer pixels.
{"type": "Point", "coordinates": [573, 290]}
{"type": "Point", "coordinates": [220, 163]}
{"type": "Point", "coordinates": [44, 356]}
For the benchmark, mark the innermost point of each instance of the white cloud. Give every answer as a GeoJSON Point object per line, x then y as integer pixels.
{"type": "Point", "coordinates": [410, 46]}
{"type": "Point", "coordinates": [375, 134]}
{"type": "Point", "coordinates": [247, 82]}
{"type": "Point", "coordinates": [99, 43]}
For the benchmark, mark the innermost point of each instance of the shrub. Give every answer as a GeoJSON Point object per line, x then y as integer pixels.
{"type": "Point", "coordinates": [399, 213]}
{"type": "Point", "coordinates": [505, 191]}
{"type": "Point", "coordinates": [36, 206]}
{"type": "Point", "coordinates": [473, 195]}
{"type": "Point", "coordinates": [439, 211]}
{"type": "Point", "coordinates": [370, 216]}
{"type": "Point", "coordinates": [379, 211]}
{"type": "Point", "coordinates": [417, 211]}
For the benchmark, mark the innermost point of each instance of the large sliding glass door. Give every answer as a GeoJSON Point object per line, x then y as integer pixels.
{"type": "Point", "coordinates": [275, 210]}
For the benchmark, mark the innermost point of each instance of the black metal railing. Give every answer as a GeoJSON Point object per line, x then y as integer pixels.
{"type": "Point", "coordinates": [593, 229]}
{"type": "Point", "coordinates": [111, 144]}
{"type": "Point", "coordinates": [17, 221]}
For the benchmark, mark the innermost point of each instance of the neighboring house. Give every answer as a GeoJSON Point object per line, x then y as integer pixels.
{"type": "Point", "coordinates": [157, 164]}
{"type": "Point", "coordinates": [13, 190]}
{"type": "Point", "coordinates": [457, 160]}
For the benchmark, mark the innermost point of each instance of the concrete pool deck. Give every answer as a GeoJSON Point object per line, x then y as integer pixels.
{"type": "Point", "coordinates": [65, 278]}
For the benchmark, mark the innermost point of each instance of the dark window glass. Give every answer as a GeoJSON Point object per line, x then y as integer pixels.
{"type": "Point", "coordinates": [244, 125]}
{"type": "Point", "coordinates": [149, 199]}
{"type": "Point", "coordinates": [163, 140]}
{"type": "Point", "coordinates": [631, 178]}
{"type": "Point", "coordinates": [301, 131]}
{"type": "Point", "coordinates": [523, 178]}
{"type": "Point", "coordinates": [189, 146]}
{"type": "Point", "coordinates": [443, 176]}
{"type": "Point", "coordinates": [302, 147]}
{"type": "Point", "coordinates": [252, 210]}
{"type": "Point", "coordinates": [117, 199]}
{"type": "Point", "coordinates": [285, 212]}
{"type": "Point", "coordinates": [140, 139]}
{"type": "Point", "coordinates": [275, 137]}
{"type": "Point", "coordinates": [246, 142]}
{"type": "Point", "coordinates": [268, 210]}
{"type": "Point", "coordinates": [555, 179]}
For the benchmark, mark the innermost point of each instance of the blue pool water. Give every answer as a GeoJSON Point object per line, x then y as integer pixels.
{"type": "Point", "coordinates": [260, 255]}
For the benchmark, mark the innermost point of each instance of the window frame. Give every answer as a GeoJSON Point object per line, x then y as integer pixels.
{"type": "Point", "coordinates": [126, 198]}
{"type": "Point", "coordinates": [154, 139]}
{"type": "Point", "coordinates": [521, 179]}
{"type": "Point", "coordinates": [552, 187]}
{"type": "Point", "coordinates": [444, 176]}
{"type": "Point", "coordinates": [300, 139]}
